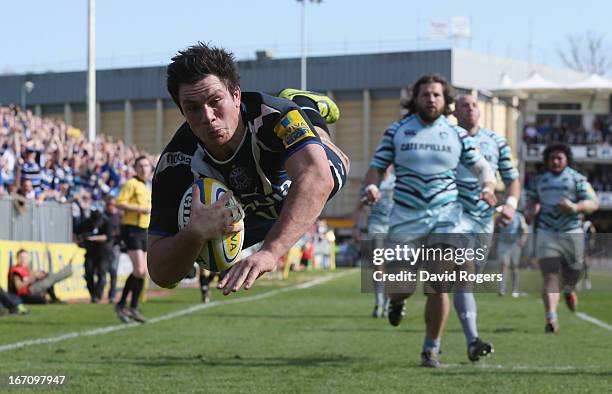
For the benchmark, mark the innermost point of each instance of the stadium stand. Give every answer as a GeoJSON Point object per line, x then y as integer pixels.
{"type": "Point", "coordinates": [44, 159]}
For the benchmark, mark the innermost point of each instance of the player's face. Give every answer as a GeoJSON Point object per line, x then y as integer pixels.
{"type": "Point", "coordinates": [430, 101]}
{"type": "Point", "coordinates": [467, 112]}
{"type": "Point", "coordinates": [143, 169]}
{"type": "Point", "coordinates": [557, 161]}
{"type": "Point", "coordinates": [211, 110]}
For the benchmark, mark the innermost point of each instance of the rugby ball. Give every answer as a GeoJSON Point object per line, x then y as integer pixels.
{"type": "Point", "coordinates": [220, 254]}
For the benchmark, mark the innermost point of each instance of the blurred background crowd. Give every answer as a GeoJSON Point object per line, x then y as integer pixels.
{"type": "Point", "coordinates": [43, 159]}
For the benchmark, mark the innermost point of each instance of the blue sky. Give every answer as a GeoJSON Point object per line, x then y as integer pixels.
{"type": "Point", "coordinates": [51, 35]}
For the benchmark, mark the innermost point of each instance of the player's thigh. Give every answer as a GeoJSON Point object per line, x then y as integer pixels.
{"type": "Point", "coordinates": [439, 265]}
{"type": "Point", "coordinates": [401, 273]}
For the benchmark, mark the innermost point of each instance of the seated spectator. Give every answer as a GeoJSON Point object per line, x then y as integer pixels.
{"type": "Point", "coordinates": [34, 287]}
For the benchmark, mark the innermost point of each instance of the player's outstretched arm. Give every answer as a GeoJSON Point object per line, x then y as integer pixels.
{"type": "Point", "coordinates": [170, 259]}
{"type": "Point", "coordinates": [311, 185]}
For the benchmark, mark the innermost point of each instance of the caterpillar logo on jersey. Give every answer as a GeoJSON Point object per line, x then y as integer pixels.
{"type": "Point", "coordinates": [292, 128]}
{"type": "Point", "coordinates": [220, 254]}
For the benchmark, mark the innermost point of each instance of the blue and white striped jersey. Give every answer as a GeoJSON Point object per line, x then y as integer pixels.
{"type": "Point", "coordinates": [379, 215]}
{"type": "Point", "coordinates": [550, 189]}
{"type": "Point", "coordinates": [426, 159]}
{"type": "Point", "coordinates": [498, 154]}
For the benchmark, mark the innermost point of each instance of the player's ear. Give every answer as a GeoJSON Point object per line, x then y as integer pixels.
{"type": "Point", "coordinates": [236, 95]}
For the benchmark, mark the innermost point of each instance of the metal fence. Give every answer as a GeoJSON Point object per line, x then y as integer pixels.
{"type": "Point", "coordinates": [47, 222]}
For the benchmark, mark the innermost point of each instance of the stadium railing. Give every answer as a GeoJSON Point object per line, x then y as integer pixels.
{"type": "Point", "coordinates": [47, 222]}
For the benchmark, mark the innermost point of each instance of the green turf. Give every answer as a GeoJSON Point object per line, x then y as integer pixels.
{"type": "Point", "coordinates": [319, 339]}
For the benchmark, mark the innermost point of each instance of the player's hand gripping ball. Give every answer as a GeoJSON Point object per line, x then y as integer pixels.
{"type": "Point", "coordinates": [220, 254]}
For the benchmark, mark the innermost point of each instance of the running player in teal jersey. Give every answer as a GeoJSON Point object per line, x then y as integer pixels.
{"type": "Point", "coordinates": [561, 196]}
{"type": "Point", "coordinates": [377, 227]}
{"type": "Point", "coordinates": [477, 218]}
{"type": "Point", "coordinates": [510, 243]}
{"type": "Point", "coordinates": [426, 150]}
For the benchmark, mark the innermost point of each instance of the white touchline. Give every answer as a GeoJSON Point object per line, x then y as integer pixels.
{"type": "Point", "coordinates": [524, 367]}
{"type": "Point", "coordinates": [597, 322]}
{"type": "Point", "coordinates": [171, 315]}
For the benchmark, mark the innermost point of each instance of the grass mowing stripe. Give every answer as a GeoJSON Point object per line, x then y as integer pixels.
{"type": "Point", "coordinates": [171, 315]}
{"type": "Point", "coordinates": [590, 319]}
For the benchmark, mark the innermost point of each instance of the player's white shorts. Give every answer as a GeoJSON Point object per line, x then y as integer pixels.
{"type": "Point", "coordinates": [472, 225]}
{"type": "Point", "coordinates": [378, 227]}
{"type": "Point", "coordinates": [509, 253]}
{"type": "Point", "coordinates": [411, 224]}
{"type": "Point", "coordinates": [480, 232]}
{"type": "Point", "coordinates": [568, 246]}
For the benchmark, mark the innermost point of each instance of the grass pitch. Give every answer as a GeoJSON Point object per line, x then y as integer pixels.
{"type": "Point", "coordinates": [316, 339]}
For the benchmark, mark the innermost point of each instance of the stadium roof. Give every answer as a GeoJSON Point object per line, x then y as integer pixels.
{"type": "Point", "coordinates": [383, 72]}
{"type": "Point", "coordinates": [592, 82]}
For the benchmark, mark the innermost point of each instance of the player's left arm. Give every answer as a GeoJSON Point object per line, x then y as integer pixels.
{"type": "Point", "coordinates": [510, 177]}
{"type": "Point", "coordinates": [477, 164]}
{"type": "Point", "coordinates": [311, 185]}
{"type": "Point", "coordinates": [587, 199]}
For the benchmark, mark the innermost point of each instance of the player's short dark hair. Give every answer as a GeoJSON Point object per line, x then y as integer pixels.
{"type": "Point", "coordinates": [447, 89]}
{"type": "Point", "coordinates": [20, 251]}
{"type": "Point", "coordinates": [558, 147]}
{"type": "Point", "coordinates": [196, 62]}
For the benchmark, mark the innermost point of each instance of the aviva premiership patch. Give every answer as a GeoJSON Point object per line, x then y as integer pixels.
{"type": "Point", "coordinates": [292, 128]}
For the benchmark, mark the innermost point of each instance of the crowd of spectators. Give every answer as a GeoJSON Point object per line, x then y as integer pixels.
{"type": "Point", "coordinates": [43, 159]}
{"type": "Point", "coordinates": [545, 133]}
{"type": "Point", "coordinates": [601, 178]}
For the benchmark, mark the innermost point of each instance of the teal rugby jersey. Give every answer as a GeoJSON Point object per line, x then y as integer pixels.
{"type": "Point", "coordinates": [426, 159]}
{"type": "Point", "coordinates": [379, 214]}
{"type": "Point", "coordinates": [550, 188]}
{"type": "Point", "coordinates": [514, 231]}
{"type": "Point", "coordinates": [498, 154]}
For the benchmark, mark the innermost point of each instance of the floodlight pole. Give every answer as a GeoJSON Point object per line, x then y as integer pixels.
{"type": "Point", "coordinates": [303, 45]}
{"type": "Point", "coordinates": [26, 89]}
{"type": "Point", "coordinates": [91, 70]}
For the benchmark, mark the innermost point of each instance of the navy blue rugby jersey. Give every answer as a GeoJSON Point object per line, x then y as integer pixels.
{"type": "Point", "coordinates": [275, 129]}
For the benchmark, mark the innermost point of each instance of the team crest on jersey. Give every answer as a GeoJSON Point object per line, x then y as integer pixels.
{"type": "Point", "coordinates": [292, 128]}
{"type": "Point", "coordinates": [443, 135]}
{"type": "Point", "coordinates": [410, 133]}
{"type": "Point", "coordinates": [239, 179]}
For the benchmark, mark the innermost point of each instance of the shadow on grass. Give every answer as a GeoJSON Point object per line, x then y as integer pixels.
{"type": "Point", "coordinates": [236, 361]}
{"type": "Point", "coordinates": [287, 317]}
{"type": "Point", "coordinates": [25, 321]}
